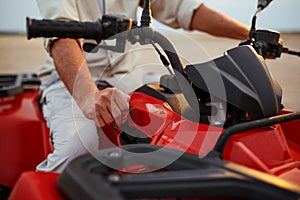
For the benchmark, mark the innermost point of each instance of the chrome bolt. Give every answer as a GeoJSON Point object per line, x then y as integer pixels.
{"type": "Point", "coordinates": [114, 178]}
{"type": "Point", "coordinates": [114, 154]}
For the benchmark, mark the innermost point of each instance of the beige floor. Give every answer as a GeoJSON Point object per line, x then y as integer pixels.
{"type": "Point", "coordinates": [17, 54]}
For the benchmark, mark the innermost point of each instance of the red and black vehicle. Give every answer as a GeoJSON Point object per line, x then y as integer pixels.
{"type": "Point", "coordinates": [214, 129]}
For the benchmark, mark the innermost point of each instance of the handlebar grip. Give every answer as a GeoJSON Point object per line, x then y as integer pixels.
{"type": "Point", "coordinates": [291, 52]}
{"type": "Point", "coordinates": [64, 29]}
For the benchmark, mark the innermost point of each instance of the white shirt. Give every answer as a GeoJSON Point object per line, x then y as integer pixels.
{"type": "Point", "coordinates": [175, 13]}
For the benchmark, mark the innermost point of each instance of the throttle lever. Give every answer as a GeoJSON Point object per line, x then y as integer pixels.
{"type": "Point", "coordinates": [90, 47]}
{"type": "Point", "coordinates": [93, 48]}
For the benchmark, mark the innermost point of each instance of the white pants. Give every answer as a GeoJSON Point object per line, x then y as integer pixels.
{"type": "Point", "coordinates": [71, 132]}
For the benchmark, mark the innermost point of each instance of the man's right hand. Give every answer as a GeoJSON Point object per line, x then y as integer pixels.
{"type": "Point", "coordinates": [108, 107]}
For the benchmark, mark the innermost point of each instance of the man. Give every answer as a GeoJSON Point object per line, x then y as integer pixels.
{"type": "Point", "coordinates": [74, 124]}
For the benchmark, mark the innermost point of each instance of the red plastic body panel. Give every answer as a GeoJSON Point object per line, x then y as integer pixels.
{"type": "Point", "coordinates": [36, 186]}
{"type": "Point", "coordinates": [24, 137]}
{"type": "Point", "coordinates": [274, 150]}
{"type": "Point", "coordinates": [166, 128]}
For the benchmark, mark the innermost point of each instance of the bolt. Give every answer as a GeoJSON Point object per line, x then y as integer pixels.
{"type": "Point", "coordinates": [162, 112]}
{"type": "Point", "coordinates": [114, 154]}
{"type": "Point", "coordinates": [113, 178]}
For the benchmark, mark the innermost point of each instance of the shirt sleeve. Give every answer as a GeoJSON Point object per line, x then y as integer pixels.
{"type": "Point", "coordinates": [175, 13]}
{"type": "Point", "coordinates": [57, 10]}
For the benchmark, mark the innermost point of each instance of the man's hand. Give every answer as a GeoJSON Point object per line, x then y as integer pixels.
{"type": "Point", "coordinates": [108, 107]}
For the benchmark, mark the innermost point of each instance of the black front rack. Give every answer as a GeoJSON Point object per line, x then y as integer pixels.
{"type": "Point", "coordinates": [188, 177]}
{"type": "Point", "coordinates": [12, 84]}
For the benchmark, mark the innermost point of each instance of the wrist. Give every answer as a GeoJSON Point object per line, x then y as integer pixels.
{"type": "Point", "coordinates": [86, 103]}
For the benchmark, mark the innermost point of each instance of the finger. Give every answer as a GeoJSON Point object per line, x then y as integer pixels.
{"type": "Point", "coordinates": [120, 112]}
{"type": "Point", "coordinates": [104, 115]}
{"type": "Point", "coordinates": [112, 107]}
{"type": "Point", "coordinates": [122, 102]}
{"type": "Point", "coordinates": [117, 113]}
{"type": "Point", "coordinates": [99, 121]}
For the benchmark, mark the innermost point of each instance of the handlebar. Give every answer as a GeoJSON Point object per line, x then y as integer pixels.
{"type": "Point", "coordinates": [109, 26]}
{"type": "Point", "coordinates": [268, 44]}
{"type": "Point", "coordinates": [291, 52]}
{"type": "Point", "coordinates": [63, 29]}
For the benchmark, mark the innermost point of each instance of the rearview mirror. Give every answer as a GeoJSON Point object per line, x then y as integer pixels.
{"type": "Point", "coordinates": [262, 4]}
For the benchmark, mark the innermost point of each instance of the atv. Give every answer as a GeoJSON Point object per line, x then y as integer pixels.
{"type": "Point", "coordinates": [207, 130]}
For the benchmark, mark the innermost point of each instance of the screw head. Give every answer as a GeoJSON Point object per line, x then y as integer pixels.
{"type": "Point", "coordinates": [114, 154]}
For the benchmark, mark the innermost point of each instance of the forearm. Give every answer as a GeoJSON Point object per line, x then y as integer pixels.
{"type": "Point", "coordinates": [217, 24]}
{"type": "Point", "coordinates": [72, 69]}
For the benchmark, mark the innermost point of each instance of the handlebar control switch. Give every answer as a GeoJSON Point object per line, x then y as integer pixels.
{"type": "Point", "coordinates": [267, 43]}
